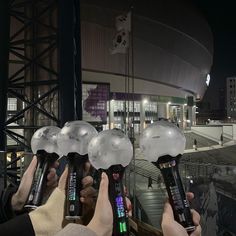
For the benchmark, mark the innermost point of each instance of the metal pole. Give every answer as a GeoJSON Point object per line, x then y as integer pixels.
{"type": "Point", "coordinates": [4, 57]}
{"type": "Point", "coordinates": [70, 88]}
{"type": "Point", "coordinates": [132, 123]}
{"type": "Point", "coordinates": [3, 169]}
{"type": "Point", "coordinates": [77, 57]}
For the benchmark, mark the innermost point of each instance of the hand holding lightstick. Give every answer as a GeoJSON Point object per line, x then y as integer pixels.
{"type": "Point", "coordinates": [73, 142]}
{"type": "Point", "coordinates": [112, 151]}
{"type": "Point", "coordinates": [163, 144]}
{"type": "Point", "coordinates": [44, 146]}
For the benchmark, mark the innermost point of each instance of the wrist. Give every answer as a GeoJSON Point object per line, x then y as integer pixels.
{"type": "Point", "coordinates": [16, 203]}
{"type": "Point", "coordinates": [48, 218]}
{"type": "Point", "coordinates": [99, 229]}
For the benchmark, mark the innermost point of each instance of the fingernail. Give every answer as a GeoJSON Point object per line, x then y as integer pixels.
{"type": "Point", "coordinates": [129, 207]}
{"type": "Point", "coordinates": [103, 175]}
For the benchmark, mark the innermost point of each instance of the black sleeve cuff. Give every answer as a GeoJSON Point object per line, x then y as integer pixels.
{"type": "Point", "coordinates": [20, 225]}
{"type": "Point", "coordinates": [6, 211]}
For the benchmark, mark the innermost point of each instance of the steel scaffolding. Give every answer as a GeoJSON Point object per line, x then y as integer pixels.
{"type": "Point", "coordinates": [40, 67]}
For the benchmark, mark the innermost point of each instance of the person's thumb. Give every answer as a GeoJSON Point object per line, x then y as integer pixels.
{"type": "Point", "coordinates": [63, 180]}
{"type": "Point", "coordinates": [32, 166]}
{"type": "Point", "coordinates": [167, 212]}
{"type": "Point", "coordinates": [103, 189]}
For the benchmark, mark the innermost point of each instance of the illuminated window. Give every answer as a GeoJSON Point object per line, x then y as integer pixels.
{"type": "Point", "coordinates": [12, 104]}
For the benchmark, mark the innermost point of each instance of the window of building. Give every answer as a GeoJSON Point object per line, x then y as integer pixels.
{"type": "Point", "coordinates": [12, 104]}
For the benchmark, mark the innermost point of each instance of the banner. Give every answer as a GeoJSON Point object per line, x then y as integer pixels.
{"type": "Point", "coordinates": [95, 98]}
{"type": "Point", "coordinates": [123, 22]}
{"type": "Point", "coordinates": [120, 42]}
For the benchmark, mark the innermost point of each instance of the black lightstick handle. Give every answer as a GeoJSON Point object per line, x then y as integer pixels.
{"type": "Point", "coordinates": [44, 160]}
{"type": "Point", "coordinates": [176, 193]}
{"type": "Point", "coordinates": [117, 199]}
{"type": "Point", "coordinates": [74, 207]}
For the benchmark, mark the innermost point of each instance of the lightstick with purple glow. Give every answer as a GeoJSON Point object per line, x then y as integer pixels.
{"type": "Point", "coordinates": [73, 142]}
{"type": "Point", "coordinates": [112, 151]}
{"type": "Point", "coordinates": [44, 146]}
{"type": "Point", "coordinates": [163, 144]}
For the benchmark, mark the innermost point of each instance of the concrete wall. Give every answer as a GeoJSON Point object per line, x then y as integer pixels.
{"type": "Point", "coordinates": [228, 131]}
{"type": "Point", "coordinates": [212, 132]}
{"type": "Point", "coordinates": [234, 131]}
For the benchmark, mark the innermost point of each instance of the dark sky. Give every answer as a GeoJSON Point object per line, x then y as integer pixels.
{"type": "Point", "coordinates": [222, 20]}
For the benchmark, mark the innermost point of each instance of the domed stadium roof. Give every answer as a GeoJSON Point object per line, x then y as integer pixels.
{"type": "Point", "coordinates": [173, 44]}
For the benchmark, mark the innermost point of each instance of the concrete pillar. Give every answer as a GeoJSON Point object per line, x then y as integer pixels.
{"type": "Point", "coordinates": [182, 117]}
{"type": "Point", "coordinates": [162, 110]}
{"type": "Point", "coordinates": [142, 116]}
{"type": "Point", "coordinates": [190, 116]}
{"type": "Point", "coordinates": [111, 114]}
{"type": "Point", "coordinates": [194, 115]}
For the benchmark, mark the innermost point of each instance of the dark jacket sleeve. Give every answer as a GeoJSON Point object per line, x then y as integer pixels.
{"type": "Point", "coordinates": [6, 211]}
{"type": "Point", "coordinates": [20, 225]}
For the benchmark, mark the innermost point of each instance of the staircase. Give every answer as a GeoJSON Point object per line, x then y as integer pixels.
{"type": "Point", "coordinates": [152, 201]}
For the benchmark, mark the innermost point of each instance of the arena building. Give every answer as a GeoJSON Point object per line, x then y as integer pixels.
{"type": "Point", "coordinates": [140, 61]}
{"type": "Point", "coordinates": [159, 73]}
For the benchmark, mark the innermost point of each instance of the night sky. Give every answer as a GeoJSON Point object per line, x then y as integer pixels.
{"type": "Point", "coordinates": [222, 20]}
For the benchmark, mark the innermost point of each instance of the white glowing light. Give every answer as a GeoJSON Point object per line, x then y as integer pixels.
{"type": "Point", "coordinates": [162, 138]}
{"type": "Point", "coordinates": [45, 139]}
{"type": "Point", "coordinates": [208, 79]}
{"type": "Point", "coordinates": [110, 147]}
{"type": "Point", "coordinates": [75, 137]}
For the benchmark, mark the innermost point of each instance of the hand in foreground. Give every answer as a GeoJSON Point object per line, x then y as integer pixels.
{"type": "Point", "coordinates": [20, 197]}
{"type": "Point", "coordinates": [102, 221]}
{"type": "Point", "coordinates": [170, 227]}
{"type": "Point", "coordinates": [88, 194]}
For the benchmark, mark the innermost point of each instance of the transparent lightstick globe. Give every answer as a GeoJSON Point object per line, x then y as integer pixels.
{"type": "Point", "coordinates": [110, 147]}
{"type": "Point", "coordinates": [75, 137]}
{"type": "Point", "coordinates": [162, 138]}
{"type": "Point", "coordinates": [45, 139]}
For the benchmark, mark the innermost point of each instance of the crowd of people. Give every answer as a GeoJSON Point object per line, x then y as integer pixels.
{"type": "Point", "coordinates": [48, 219]}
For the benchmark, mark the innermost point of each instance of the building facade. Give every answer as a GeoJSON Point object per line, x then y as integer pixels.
{"type": "Point", "coordinates": [165, 66]}
{"type": "Point", "coordinates": [160, 75]}
{"type": "Point", "coordinates": [231, 97]}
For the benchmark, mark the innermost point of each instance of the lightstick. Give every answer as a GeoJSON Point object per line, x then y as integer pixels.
{"type": "Point", "coordinates": [73, 142]}
{"type": "Point", "coordinates": [112, 151]}
{"type": "Point", "coordinates": [163, 144]}
{"type": "Point", "coordinates": [44, 146]}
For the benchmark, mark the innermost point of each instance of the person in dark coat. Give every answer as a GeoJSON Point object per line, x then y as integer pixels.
{"type": "Point", "coordinates": [150, 182]}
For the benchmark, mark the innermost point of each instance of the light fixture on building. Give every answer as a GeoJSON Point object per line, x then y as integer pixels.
{"type": "Point", "coordinates": [208, 78]}
{"type": "Point", "coordinates": [145, 101]}
{"type": "Point", "coordinates": [169, 103]}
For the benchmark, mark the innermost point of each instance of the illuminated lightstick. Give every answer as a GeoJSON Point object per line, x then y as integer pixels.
{"type": "Point", "coordinates": [163, 144]}
{"type": "Point", "coordinates": [73, 142]}
{"type": "Point", "coordinates": [44, 146]}
{"type": "Point", "coordinates": [112, 151]}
